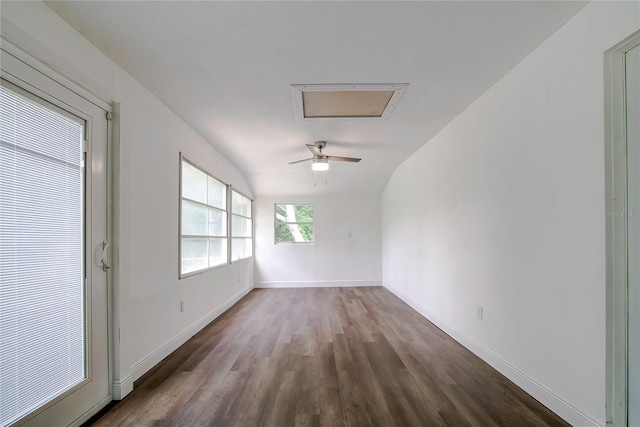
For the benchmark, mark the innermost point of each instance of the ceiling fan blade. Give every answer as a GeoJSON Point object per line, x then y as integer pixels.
{"type": "Point", "coordinates": [300, 161]}
{"type": "Point", "coordinates": [343, 159]}
{"type": "Point", "coordinates": [314, 149]}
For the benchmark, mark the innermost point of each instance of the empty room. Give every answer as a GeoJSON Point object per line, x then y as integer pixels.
{"type": "Point", "coordinates": [301, 213]}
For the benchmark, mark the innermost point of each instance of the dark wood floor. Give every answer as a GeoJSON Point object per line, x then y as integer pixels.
{"type": "Point", "coordinates": [325, 356]}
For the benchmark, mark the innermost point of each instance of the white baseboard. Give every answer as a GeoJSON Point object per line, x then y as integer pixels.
{"type": "Point", "coordinates": [319, 284]}
{"type": "Point", "coordinates": [540, 392]}
{"type": "Point", "coordinates": [145, 364]}
{"type": "Point", "coordinates": [121, 387]}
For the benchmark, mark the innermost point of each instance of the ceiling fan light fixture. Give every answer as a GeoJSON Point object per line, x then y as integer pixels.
{"type": "Point", "coordinates": [320, 165]}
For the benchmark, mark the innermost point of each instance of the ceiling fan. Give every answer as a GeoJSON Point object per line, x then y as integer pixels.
{"type": "Point", "coordinates": [321, 160]}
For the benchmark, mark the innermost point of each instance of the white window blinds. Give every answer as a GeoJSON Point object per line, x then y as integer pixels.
{"type": "Point", "coordinates": [42, 327]}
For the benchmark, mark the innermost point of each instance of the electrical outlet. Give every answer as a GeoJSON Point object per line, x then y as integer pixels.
{"type": "Point", "coordinates": [181, 306]}
{"type": "Point", "coordinates": [480, 312]}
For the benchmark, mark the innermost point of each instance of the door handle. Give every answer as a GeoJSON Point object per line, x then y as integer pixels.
{"type": "Point", "coordinates": [105, 256]}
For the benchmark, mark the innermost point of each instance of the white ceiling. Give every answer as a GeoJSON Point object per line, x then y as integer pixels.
{"type": "Point", "coordinates": [227, 68]}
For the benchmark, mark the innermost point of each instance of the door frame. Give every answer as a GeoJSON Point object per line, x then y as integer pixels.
{"type": "Point", "coordinates": [41, 62]}
{"type": "Point", "coordinates": [616, 231]}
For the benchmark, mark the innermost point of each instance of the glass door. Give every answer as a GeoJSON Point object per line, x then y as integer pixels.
{"type": "Point", "coordinates": [54, 366]}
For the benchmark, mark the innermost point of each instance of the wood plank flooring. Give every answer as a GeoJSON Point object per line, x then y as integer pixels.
{"type": "Point", "coordinates": [325, 357]}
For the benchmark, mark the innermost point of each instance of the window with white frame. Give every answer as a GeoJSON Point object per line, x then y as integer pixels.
{"type": "Point", "coordinates": [203, 220]}
{"type": "Point", "coordinates": [241, 227]}
{"type": "Point", "coordinates": [293, 223]}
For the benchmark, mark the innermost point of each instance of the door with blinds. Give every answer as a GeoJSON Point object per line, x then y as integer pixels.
{"type": "Point", "coordinates": [54, 364]}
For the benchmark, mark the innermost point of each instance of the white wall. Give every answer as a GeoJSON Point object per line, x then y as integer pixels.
{"type": "Point", "coordinates": [347, 249]}
{"type": "Point", "coordinates": [505, 209]}
{"type": "Point", "coordinates": [148, 291]}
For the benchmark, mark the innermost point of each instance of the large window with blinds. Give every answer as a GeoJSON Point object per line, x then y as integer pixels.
{"type": "Point", "coordinates": [42, 317]}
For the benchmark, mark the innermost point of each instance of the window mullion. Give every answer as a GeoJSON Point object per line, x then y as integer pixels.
{"type": "Point", "coordinates": [241, 244]}
{"type": "Point", "coordinates": [229, 219]}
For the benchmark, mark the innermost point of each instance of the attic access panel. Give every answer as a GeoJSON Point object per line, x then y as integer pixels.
{"type": "Point", "coordinates": [346, 101]}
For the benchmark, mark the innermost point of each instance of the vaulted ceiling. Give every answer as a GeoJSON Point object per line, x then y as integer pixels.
{"type": "Point", "coordinates": [226, 68]}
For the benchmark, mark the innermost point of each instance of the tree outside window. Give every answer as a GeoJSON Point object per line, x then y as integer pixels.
{"type": "Point", "coordinates": [293, 223]}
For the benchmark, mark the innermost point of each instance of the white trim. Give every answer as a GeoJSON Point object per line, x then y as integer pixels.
{"type": "Point", "coordinates": [145, 364]}
{"type": "Point", "coordinates": [121, 387]}
{"type": "Point", "coordinates": [318, 284]}
{"type": "Point", "coordinates": [113, 189]}
{"type": "Point", "coordinates": [91, 412]}
{"type": "Point", "coordinates": [28, 50]}
{"type": "Point", "coordinates": [540, 392]}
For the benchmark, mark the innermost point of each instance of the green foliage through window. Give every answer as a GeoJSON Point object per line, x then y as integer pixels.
{"type": "Point", "coordinates": [293, 223]}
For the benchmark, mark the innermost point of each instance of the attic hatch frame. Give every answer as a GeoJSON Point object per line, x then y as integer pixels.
{"type": "Point", "coordinates": [298, 90]}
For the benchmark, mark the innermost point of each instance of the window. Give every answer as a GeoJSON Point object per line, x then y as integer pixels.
{"type": "Point", "coordinates": [241, 227]}
{"type": "Point", "coordinates": [215, 229]}
{"type": "Point", "coordinates": [294, 223]}
{"type": "Point", "coordinates": [203, 220]}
